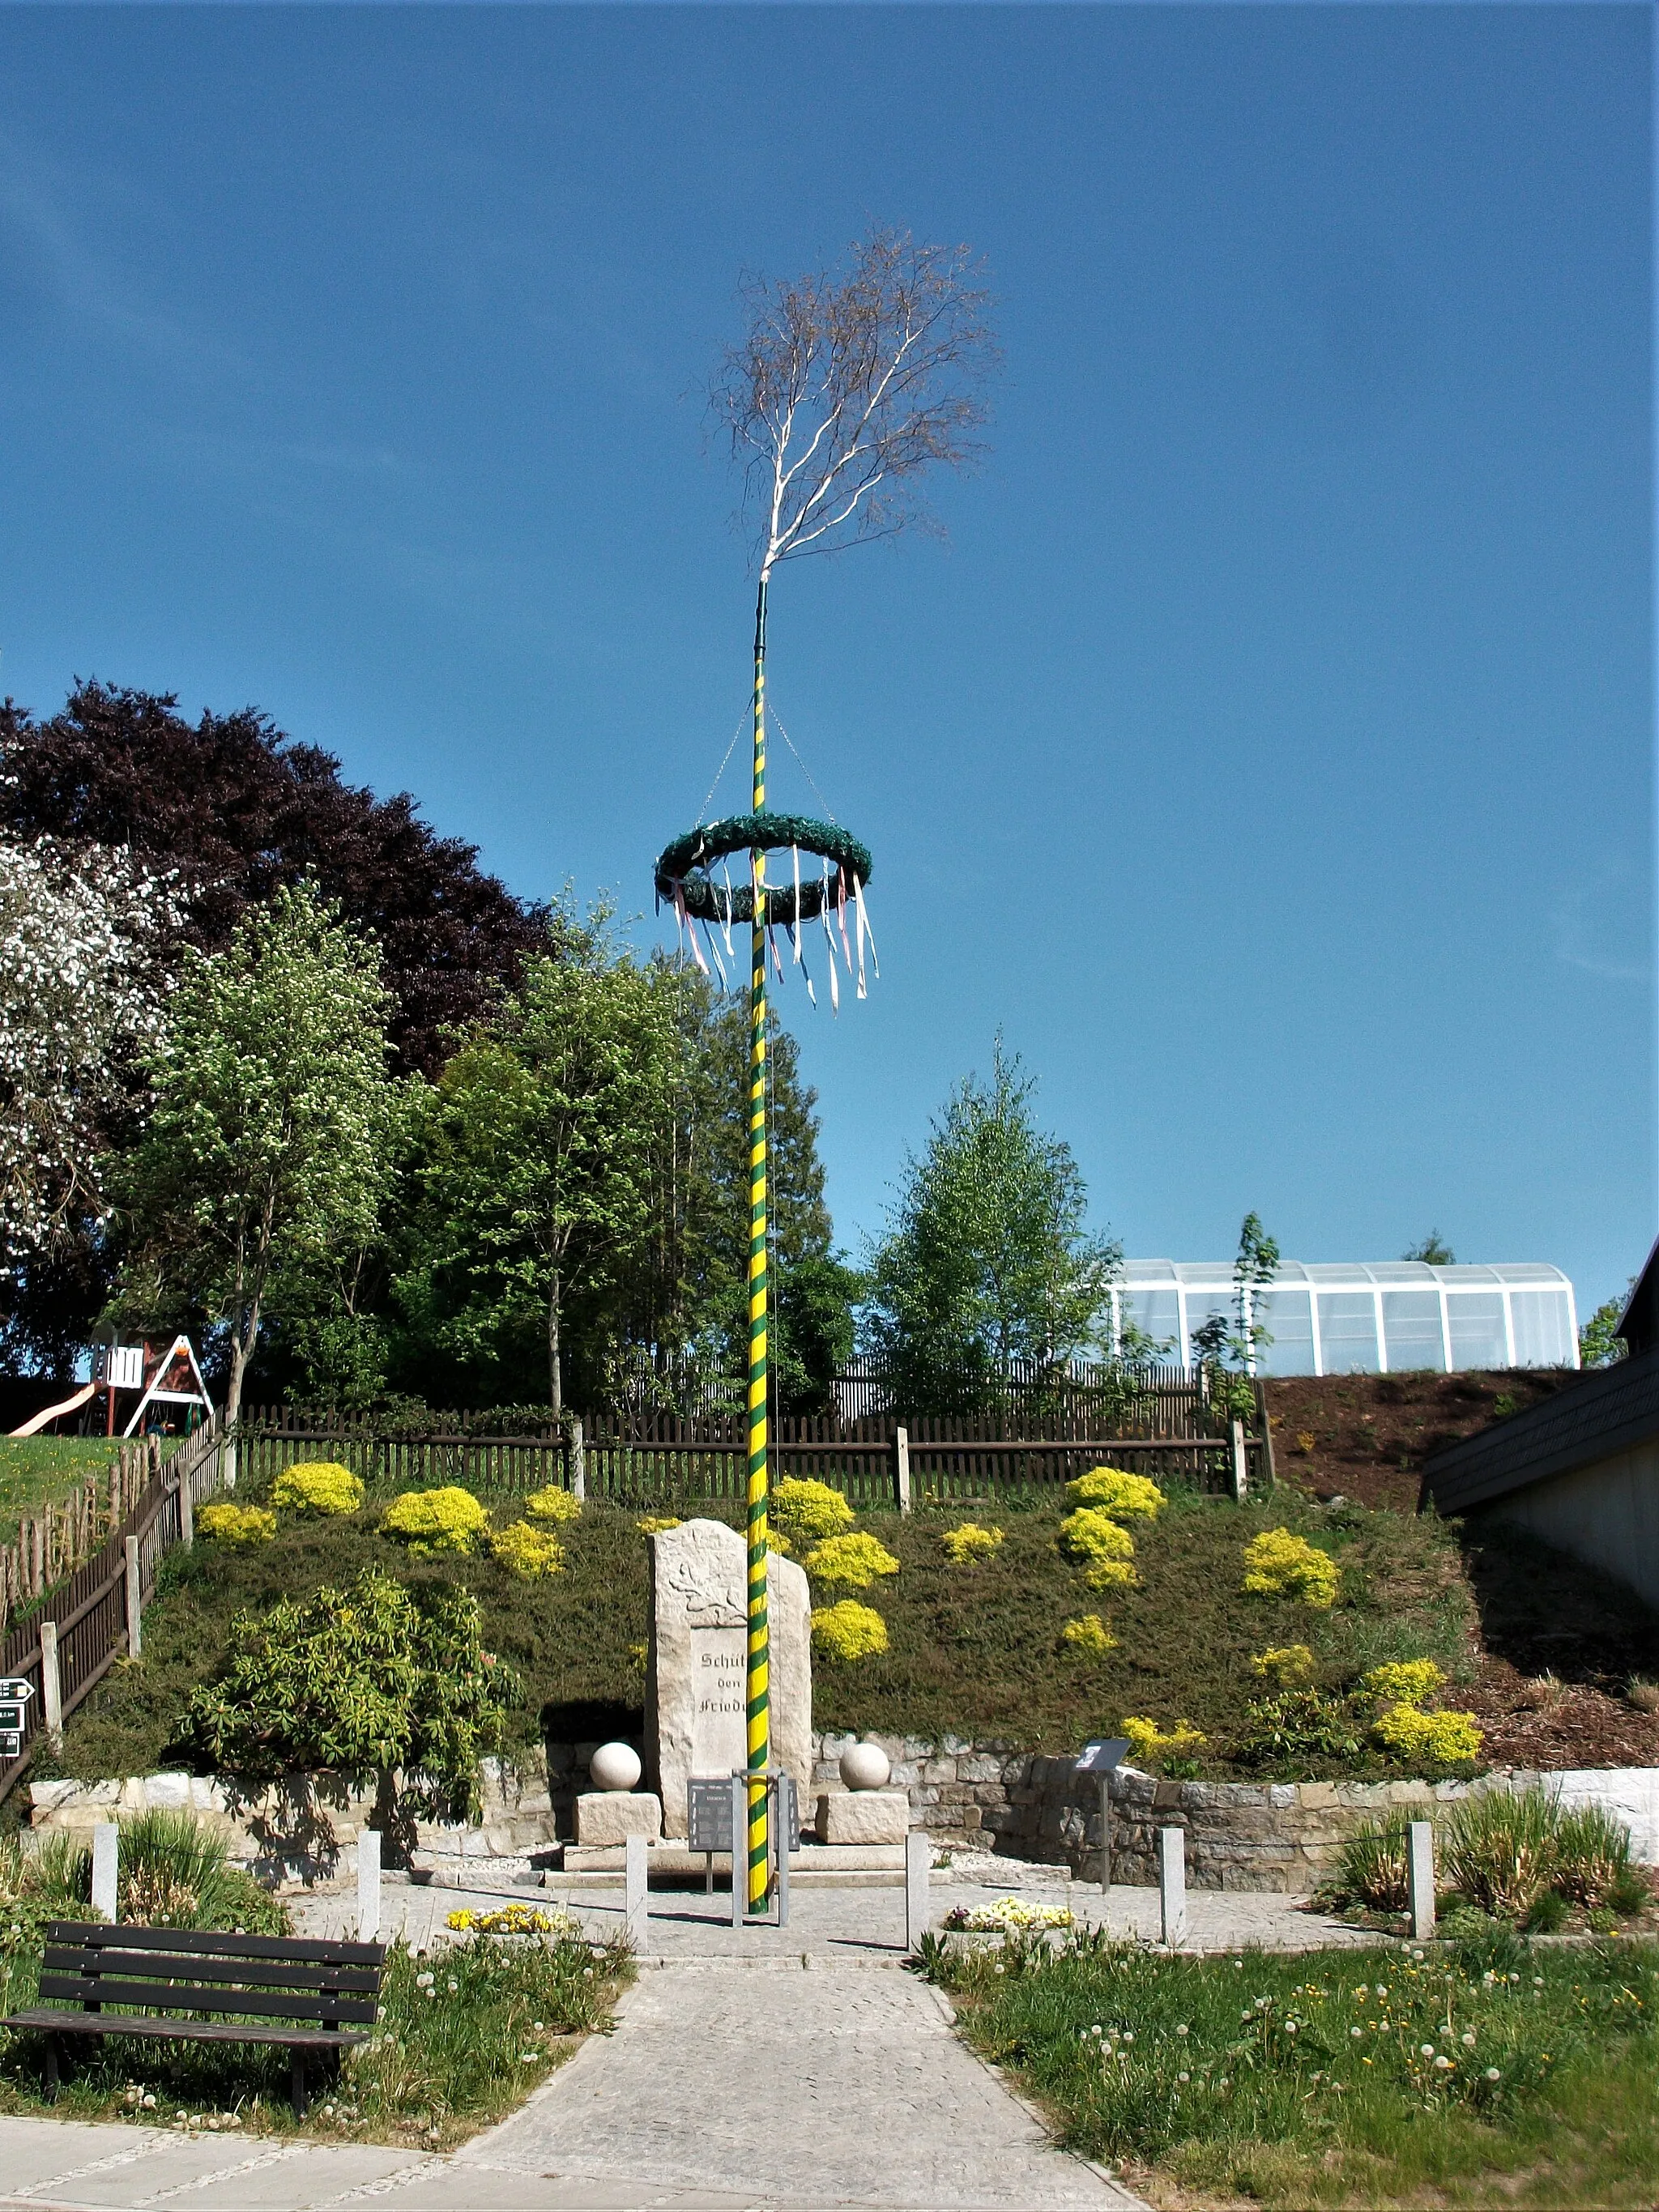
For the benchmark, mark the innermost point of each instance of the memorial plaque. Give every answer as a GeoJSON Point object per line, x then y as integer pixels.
{"type": "Point", "coordinates": [720, 1689]}
{"type": "Point", "coordinates": [697, 1669]}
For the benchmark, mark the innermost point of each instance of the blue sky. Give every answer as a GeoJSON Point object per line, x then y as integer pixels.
{"type": "Point", "coordinates": [1267, 754]}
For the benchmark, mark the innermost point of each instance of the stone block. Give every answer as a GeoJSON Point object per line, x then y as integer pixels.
{"type": "Point", "coordinates": [168, 1790]}
{"type": "Point", "coordinates": [605, 1817]}
{"type": "Point", "coordinates": [864, 1816]}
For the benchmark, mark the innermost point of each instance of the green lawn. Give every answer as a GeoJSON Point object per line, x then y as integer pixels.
{"type": "Point", "coordinates": [1489, 2074]}
{"type": "Point", "coordinates": [974, 1650]}
{"type": "Point", "coordinates": [34, 1470]}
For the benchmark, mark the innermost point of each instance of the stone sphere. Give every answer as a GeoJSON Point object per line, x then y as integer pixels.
{"type": "Point", "coordinates": [615, 1766]}
{"type": "Point", "coordinates": [865, 1766]}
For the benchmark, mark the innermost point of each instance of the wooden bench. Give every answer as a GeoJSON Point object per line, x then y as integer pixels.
{"type": "Point", "coordinates": [260, 1981]}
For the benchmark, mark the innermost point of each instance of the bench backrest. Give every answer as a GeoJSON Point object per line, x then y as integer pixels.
{"type": "Point", "coordinates": [196, 1970]}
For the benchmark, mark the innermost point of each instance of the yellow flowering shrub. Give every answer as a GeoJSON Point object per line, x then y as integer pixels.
{"type": "Point", "coordinates": [1096, 1543]}
{"type": "Point", "coordinates": [552, 1505]}
{"type": "Point", "coordinates": [1148, 1740]}
{"type": "Point", "coordinates": [637, 1655]}
{"type": "Point", "coordinates": [848, 1631]}
{"type": "Point", "coordinates": [1111, 1489]}
{"type": "Point", "coordinates": [805, 1512]}
{"type": "Point", "coordinates": [652, 1524]}
{"type": "Point", "coordinates": [1278, 1563]}
{"type": "Point", "coordinates": [1405, 1682]}
{"type": "Point", "coordinates": [527, 1550]}
{"type": "Point", "coordinates": [1436, 1738]}
{"type": "Point", "coordinates": [855, 1560]}
{"type": "Point", "coordinates": [969, 1541]}
{"type": "Point", "coordinates": [450, 1519]}
{"type": "Point", "coordinates": [237, 1524]}
{"type": "Point", "coordinates": [1090, 1633]}
{"type": "Point", "coordinates": [318, 1486]}
{"type": "Point", "coordinates": [1288, 1663]}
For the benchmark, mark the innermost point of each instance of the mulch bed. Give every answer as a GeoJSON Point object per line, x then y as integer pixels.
{"type": "Point", "coordinates": [1366, 1437]}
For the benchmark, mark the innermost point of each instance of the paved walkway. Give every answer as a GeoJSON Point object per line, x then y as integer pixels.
{"type": "Point", "coordinates": [795, 2069]}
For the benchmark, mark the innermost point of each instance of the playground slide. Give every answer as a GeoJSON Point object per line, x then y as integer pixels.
{"type": "Point", "coordinates": [53, 1413]}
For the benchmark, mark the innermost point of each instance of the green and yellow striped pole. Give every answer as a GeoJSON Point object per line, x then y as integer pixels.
{"type": "Point", "coordinates": [759, 1653]}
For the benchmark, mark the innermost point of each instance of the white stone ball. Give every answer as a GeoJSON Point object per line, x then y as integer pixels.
{"type": "Point", "coordinates": [865, 1766]}
{"type": "Point", "coordinates": [615, 1766]}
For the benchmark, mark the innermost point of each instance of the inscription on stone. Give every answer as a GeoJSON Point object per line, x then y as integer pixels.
{"type": "Point", "coordinates": [720, 1688]}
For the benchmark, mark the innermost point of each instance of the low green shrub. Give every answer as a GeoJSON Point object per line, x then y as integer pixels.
{"type": "Point", "coordinates": [1296, 1724]}
{"type": "Point", "coordinates": [367, 1678]}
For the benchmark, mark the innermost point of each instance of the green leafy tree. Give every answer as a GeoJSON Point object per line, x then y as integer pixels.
{"type": "Point", "coordinates": [536, 1185]}
{"type": "Point", "coordinates": [1433, 1251]}
{"type": "Point", "coordinates": [1598, 1343]}
{"type": "Point", "coordinates": [987, 1260]}
{"type": "Point", "coordinates": [266, 1150]}
{"type": "Point", "coordinates": [369, 1679]}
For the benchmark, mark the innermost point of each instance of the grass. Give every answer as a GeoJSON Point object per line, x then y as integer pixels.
{"type": "Point", "coordinates": [37, 1470]}
{"type": "Point", "coordinates": [464, 2036]}
{"type": "Point", "coordinates": [1304, 2080]}
{"type": "Point", "coordinates": [976, 1650]}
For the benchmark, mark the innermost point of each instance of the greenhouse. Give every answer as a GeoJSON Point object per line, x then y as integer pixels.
{"type": "Point", "coordinates": [1361, 1320]}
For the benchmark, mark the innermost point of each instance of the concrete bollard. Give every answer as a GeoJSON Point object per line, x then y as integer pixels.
{"type": "Point", "coordinates": [1419, 1879]}
{"type": "Point", "coordinates": [51, 1686]}
{"type": "Point", "coordinates": [1172, 1886]}
{"type": "Point", "coordinates": [369, 1884]}
{"type": "Point", "coordinates": [918, 1862]}
{"type": "Point", "coordinates": [634, 1887]}
{"type": "Point", "coordinates": [901, 1468]}
{"type": "Point", "coordinates": [105, 1871]}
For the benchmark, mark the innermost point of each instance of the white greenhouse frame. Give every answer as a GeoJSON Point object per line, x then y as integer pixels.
{"type": "Point", "coordinates": [1170, 1299]}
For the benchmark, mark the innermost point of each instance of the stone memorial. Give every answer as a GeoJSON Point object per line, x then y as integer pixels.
{"type": "Point", "coordinates": [696, 1668]}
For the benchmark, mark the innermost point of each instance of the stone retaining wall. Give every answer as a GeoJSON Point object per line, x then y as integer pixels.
{"type": "Point", "coordinates": [1278, 1836]}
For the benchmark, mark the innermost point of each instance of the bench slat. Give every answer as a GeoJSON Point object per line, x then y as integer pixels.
{"type": "Point", "coordinates": [172, 2030]}
{"type": "Point", "coordinates": [180, 1966]}
{"type": "Point", "coordinates": [182, 1996]}
{"type": "Point", "coordinates": [215, 1942]}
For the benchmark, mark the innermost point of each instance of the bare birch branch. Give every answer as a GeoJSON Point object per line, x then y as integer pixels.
{"type": "Point", "coordinates": [847, 387]}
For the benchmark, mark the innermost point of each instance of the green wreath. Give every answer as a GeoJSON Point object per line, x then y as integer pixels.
{"type": "Point", "coordinates": [682, 867]}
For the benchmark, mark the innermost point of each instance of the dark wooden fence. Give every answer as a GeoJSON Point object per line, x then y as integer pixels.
{"type": "Point", "coordinates": [79, 1627]}
{"type": "Point", "coordinates": [669, 1459]}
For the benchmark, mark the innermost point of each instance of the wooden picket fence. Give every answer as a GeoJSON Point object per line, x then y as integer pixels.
{"type": "Point", "coordinates": [669, 1459]}
{"type": "Point", "coordinates": [77, 1611]}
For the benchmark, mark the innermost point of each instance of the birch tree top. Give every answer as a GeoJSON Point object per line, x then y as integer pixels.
{"type": "Point", "coordinates": [848, 386]}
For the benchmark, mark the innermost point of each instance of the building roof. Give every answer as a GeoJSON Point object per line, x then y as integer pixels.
{"type": "Point", "coordinates": [1607, 1410]}
{"type": "Point", "coordinates": [1388, 1275]}
{"type": "Point", "coordinates": [1638, 1324]}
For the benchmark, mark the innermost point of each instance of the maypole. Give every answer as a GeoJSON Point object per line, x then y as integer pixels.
{"type": "Point", "coordinates": [846, 388]}
{"type": "Point", "coordinates": [759, 1745]}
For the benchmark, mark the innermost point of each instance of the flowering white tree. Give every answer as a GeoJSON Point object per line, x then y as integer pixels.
{"type": "Point", "coordinates": [80, 994]}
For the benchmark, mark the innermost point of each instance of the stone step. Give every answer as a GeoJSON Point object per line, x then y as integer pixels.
{"type": "Point", "coordinates": [672, 1859]}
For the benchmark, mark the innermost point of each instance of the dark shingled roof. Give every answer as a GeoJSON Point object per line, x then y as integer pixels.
{"type": "Point", "coordinates": [1611, 1409]}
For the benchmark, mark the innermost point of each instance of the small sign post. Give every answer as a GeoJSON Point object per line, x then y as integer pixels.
{"type": "Point", "coordinates": [14, 1694]}
{"type": "Point", "coordinates": [1103, 1756]}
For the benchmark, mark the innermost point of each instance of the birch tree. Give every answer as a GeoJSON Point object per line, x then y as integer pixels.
{"type": "Point", "coordinates": [848, 387]}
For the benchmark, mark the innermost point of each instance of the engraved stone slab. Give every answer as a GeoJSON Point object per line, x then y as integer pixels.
{"type": "Point", "coordinates": [696, 1670]}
